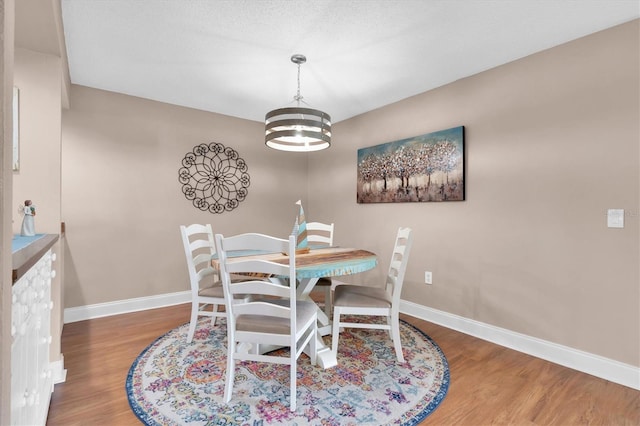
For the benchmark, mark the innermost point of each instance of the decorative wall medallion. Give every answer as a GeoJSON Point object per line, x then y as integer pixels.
{"type": "Point", "coordinates": [214, 177]}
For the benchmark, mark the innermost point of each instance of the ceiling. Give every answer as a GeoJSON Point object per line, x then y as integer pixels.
{"type": "Point", "coordinates": [233, 56]}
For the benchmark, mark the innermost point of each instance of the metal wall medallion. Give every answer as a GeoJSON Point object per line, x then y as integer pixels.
{"type": "Point", "coordinates": [214, 177]}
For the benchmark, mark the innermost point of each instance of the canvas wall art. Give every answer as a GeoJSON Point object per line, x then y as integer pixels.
{"type": "Point", "coordinates": [423, 168]}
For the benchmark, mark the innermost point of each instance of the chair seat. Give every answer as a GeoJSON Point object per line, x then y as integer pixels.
{"type": "Point", "coordinates": [361, 296]}
{"type": "Point", "coordinates": [212, 291]}
{"type": "Point", "coordinates": [264, 324]}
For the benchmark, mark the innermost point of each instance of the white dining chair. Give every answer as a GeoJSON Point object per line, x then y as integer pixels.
{"type": "Point", "coordinates": [272, 316]}
{"type": "Point", "coordinates": [321, 235]}
{"type": "Point", "coordinates": [371, 301]}
{"type": "Point", "coordinates": [206, 287]}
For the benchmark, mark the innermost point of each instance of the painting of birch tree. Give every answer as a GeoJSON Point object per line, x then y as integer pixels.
{"type": "Point", "coordinates": [423, 168]}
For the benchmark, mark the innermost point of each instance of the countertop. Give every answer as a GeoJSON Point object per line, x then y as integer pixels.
{"type": "Point", "coordinates": [27, 256]}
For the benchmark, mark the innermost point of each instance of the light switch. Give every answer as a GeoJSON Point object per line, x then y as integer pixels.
{"type": "Point", "coordinates": [615, 218]}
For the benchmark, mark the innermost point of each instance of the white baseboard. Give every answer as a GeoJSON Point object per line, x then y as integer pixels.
{"type": "Point", "coordinates": [595, 365]}
{"type": "Point", "coordinates": [58, 372]}
{"type": "Point", "coordinates": [99, 310]}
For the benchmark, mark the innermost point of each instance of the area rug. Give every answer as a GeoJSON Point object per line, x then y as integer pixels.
{"type": "Point", "coordinates": [175, 383]}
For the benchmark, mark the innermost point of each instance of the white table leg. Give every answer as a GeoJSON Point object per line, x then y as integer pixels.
{"type": "Point", "coordinates": [325, 358]}
{"type": "Point", "coordinates": [304, 293]}
{"type": "Point", "coordinates": [324, 354]}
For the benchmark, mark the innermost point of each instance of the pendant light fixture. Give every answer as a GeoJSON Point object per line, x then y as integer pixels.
{"type": "Point", "coordinates": [297, 128]}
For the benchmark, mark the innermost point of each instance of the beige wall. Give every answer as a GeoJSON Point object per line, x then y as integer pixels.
{"type": "Point", "coordinates": [551, 144]}
{"type": "Point", "coordinates": [123, 203]}
{"type": "Point", "coordinates": [38, 78]}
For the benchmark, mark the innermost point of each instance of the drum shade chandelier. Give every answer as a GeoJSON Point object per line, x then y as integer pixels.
{"type": "Point", "coordinates": [297, 128]}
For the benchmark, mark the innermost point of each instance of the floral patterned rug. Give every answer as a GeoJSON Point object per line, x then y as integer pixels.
{"type": "Point", "coordinates": [175, 383]}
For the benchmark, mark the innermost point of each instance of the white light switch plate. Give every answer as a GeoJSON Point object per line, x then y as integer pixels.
{"type": "Point", "coordinates": [615, 218]}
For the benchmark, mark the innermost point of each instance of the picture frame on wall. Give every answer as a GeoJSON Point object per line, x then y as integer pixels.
{"type": "Point", "coordinates": [16, 129]}
{"type": "Point", "coordinates": [423, 168]}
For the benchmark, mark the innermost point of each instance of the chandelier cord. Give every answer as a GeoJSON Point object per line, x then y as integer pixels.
{"type": "Point", "coordinates": [297, 97]}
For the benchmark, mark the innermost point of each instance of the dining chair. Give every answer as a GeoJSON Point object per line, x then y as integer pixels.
{"type": "Point", "coordinates": [371, 301]}
{"type": "Point", "coordinates": [272, 316]}
{"type": "Point", "coordinates": [321, 234]}
{"type": "Point", "coordinates": [206, 287]}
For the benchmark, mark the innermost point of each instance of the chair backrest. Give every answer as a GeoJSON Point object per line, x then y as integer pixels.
{"type": "Point", "coordinates": [199, 247]}
{"type": "Point", "coordinates": [398, 265]}
{"type": "Point", "coordinates": [256, 305]}
{"type": "Point", "coordinates": [320, 233]}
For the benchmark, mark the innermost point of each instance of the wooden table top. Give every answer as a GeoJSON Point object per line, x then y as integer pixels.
{"type": "Point", "coordinates": [321, 262]}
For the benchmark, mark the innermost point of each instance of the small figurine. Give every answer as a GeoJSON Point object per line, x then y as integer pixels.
{"type": "Point", "coordinates": [28, 225]}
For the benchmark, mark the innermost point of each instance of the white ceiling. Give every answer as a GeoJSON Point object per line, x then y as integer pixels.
{"type": "Point", "coordinates": [232, 56]}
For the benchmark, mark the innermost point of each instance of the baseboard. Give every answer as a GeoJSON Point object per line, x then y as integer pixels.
{"type": "Point", "coordinates": [585, 362]}
{"type": "Point", "coordinates": [58, 372]}
{"type": "Point", "coordinates": [595, 365]}
{"type": "Point", "coordinates": [118, 307]}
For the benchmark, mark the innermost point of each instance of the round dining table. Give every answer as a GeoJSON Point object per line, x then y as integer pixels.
{"type": "Point", "coordinates": [311, 265]}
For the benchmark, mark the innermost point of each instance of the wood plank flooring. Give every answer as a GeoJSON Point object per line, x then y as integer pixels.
{"type": "Point", "coordinates": [489, 384]}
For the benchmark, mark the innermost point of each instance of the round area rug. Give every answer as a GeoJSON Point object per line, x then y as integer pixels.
{"type": "Point", "coordinates": [175, 383]}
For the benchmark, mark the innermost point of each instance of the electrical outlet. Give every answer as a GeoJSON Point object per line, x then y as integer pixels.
{"type": "Point", "coordinates": [428, 277]}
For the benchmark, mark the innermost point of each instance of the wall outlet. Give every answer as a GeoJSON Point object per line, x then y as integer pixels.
{"type": "Point", "coordinates": [428, 278]}
{"type": "Point", "coordinates": [615, 218]}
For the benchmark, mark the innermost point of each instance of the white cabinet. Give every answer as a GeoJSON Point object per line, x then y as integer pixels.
{"type": "Point", "coordinates": [31, 373]}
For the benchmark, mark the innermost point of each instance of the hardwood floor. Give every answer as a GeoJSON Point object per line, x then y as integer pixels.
{"type": "Point", "coordinates": [489, 384]}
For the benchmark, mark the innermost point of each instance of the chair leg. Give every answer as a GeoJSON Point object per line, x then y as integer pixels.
{"type": "Point", "coordinates": [193, 322]}
{"type": "Point", "coordinates": [292, 374]}
{"type": "Point", "coordinates": [313, 347]}
{"type": "Point", "coordinates": [214, 315]}
{"type": "Point", "coordinates": [397, 343]}
{"type": "Point", "coordinates": [231, 367]}
{"type": "Point", "coordinates": [390, 324]}
{"type": "Point", "coordinates": [327, 301]}
{"type": "Point", "coordinates": [336, 331]}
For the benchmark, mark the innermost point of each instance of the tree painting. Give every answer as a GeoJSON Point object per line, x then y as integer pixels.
{"type": "Point", "coordinates": [429, 167]}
